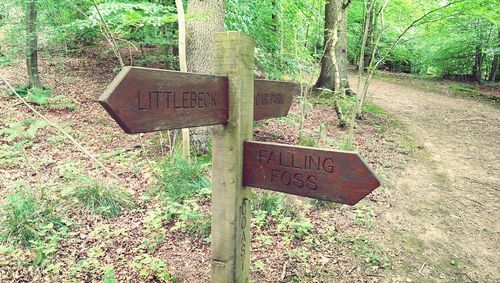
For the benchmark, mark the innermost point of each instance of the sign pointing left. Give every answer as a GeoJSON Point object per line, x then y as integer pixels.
{"type": "Point", "coordinates": [146, 100]}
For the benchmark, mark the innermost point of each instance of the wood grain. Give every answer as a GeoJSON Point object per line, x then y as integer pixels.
{"type": "Point", "coordinates": [230, 200]}
{"type": "Point", "coordinates": [332, 175]}
{"type": "Point", "coordinates": [144, 100]}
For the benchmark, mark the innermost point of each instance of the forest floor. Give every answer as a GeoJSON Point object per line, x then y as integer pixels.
{"type": "Point", "coordinates": [435, 218]}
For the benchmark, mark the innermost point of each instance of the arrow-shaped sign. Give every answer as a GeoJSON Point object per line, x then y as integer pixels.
{"type": "Point", "coordinates": [145, 100]}
{"type": "Point", "coordinates": [332, 175]}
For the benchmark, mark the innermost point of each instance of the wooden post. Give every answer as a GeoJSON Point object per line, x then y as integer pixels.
{"type": "Point", "coordinates": [231, 212]}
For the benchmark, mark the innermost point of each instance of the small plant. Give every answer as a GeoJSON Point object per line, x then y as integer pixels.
{"type": "Point", "coordinates": [367, 250]}
{"type": "Point", "coordinates": [274, 204]}
{"type": "Point", "coordinates": [307, 142]}
{"type": "Point", "coordinates": [298, 228]}
{"type": "Point", "coordinates": [23, 132]}
{"type": "Point", "coordinates": [42, 97]}
{"type": "Point", "coordinates": [364, 217]}
{"type": "Point", "coordinates": [371, 108]}
{"type": "Point", "coordinates": [189, 218]}
{"type": "Point", "coordinates": [25, 220]}
{"type": "Point", "coordinates": [318, 203]}
{"type": "Point", "coordinates": [180, 179]}
{"type": "Point", "coordinates": [465, 90]}
{"type": "Point", "coordinates": [105, 200]}
{"type": "Point", "coordinates": [109, 275]}
{"type": "Point", "coordinates": [152, 269]}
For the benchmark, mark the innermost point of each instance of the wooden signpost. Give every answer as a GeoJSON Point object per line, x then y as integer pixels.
{"type": "Point", "coordinates": [332, 175]}
{"type": "Point", "coordinates": [144, 100]}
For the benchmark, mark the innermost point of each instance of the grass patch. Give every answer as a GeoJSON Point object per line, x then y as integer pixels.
{"type": "Point", "coordinates": [99, 198]}
{"type": "Point", "coordinates": [273, 204]}
{"type": "Point", "coordinates": [25, 220]}
{"type": "Point", "coordinates": [180, 179]}
{"type": "Point", "coordinates": [31, 222]}
{"type": "Point", "coordinates": [372, 108]}
{"type": "Point", "coordinates": [319, 203]}
{"type": "Point", "coordinates": [461, 89]}
{"type": "Point", "coordinates": [307, 142]}
{"type": "Point", "coordinates": [365, 249]}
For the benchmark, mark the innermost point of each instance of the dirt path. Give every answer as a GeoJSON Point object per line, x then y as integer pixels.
{"type": "Point", "coordinates": [446, 215]}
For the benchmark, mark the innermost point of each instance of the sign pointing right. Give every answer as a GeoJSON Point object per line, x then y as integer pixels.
{"type": "Point", "coordinates": [338, 176]}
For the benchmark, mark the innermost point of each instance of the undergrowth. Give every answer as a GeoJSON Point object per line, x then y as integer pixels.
{"type": "Point", "coordinates": [43, 97]}
{"type": "Point", "coordinates": [180, 179]}
{"type": "Point", "coordinates": [100, 198]}
{"type": "Point", "coordinates": [31, 222]}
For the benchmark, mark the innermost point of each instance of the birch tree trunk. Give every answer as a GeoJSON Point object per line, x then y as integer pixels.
{"type": "Point", "coordinates": [186, 150]}
{"type": "Point", "coordinates": [32, 45]}
{"type": "Point", "coordinates": [200, 51]}
{"type": "Point", "coordinates": [334, 19]}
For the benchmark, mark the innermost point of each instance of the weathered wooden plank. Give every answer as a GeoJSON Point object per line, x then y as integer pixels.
{"type": "Point", "coordinates": [146, 100]}
{"type": "Point", "coordinates": [272, 99]}
{"type": "Point", "coordinates": [230, 200]}
{"type": "Point", "coordinates": [332, 175]}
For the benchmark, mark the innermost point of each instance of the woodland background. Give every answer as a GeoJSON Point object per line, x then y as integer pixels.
{"type": "Point", "coordinates": [81, 201]}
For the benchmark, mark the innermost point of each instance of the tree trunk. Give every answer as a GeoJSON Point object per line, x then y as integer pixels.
{"type": "Point", "coordinates": [200, 51]}
{"type": "Point", "coordinates": [495, 63]}
{"type": "Point", "coordinates": [333, 17]}
{"type": "Point", "coordinates": [32, 45]}
{"type": "Point", "coordinates": [342, 51]}
{"type": "Point", "coordinates": [478, 64]}
{"type": "Point", "coordinates": [494, 68]}
{"type": "Point", "coordinates": [369, 37]}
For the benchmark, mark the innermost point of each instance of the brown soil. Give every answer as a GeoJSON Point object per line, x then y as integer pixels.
{"type": "Point", "coordinates": [445, 222]}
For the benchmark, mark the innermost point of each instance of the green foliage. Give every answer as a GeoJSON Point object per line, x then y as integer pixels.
{"type": "Point", "coordinates": [369, 252]}
{"type": "Point", "coordinates": [273, 204]}
{"type": "Point", "coordinates": [465, 90]}
{"type": "Point", "coordinates": [152, 269]}
{"type": "Point", "coordinates": [22, 132]}
{"type": "Point", "coordinates": [97, 197]}
{"type": "Point", "coordinates": [318, 203]}
{"type": "Point", "coordinates": [304, 141]}
{"type": "Point", "coordinates": [29, 221]}
{"type": "Point", "coordinates": [298, 228]}
{"type": "Point", "coordinates": [180, 179]}
{"type": "Point", "coordinates": [287, 33]}
{"type": "Point", "coordinates": [109, 276]}
{"type": "Point", "coordinates": [16, 137]}
{"type": "Point", "coordinates": [138, 24]}
{"type": "Point", "coordinates": [371, 108]}
{"type": "Point", "coordinates": [42, 97]}
{"type": "Point", "coordinates": [444, 43]}
{"type": "Point", "coordinates": [186, 217]}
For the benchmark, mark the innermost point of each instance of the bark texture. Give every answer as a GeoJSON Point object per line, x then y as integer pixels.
{"type": "Point", "coordinates": [494, 68]}
{"type": "Point", "coordinates": [32, 45]}
{"type": "Point", "coordinates": [200, 51]}
{"type": "Point", "coordinates": [334, 16]}
{"type": "Point", "coordinates": [478, 65]}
